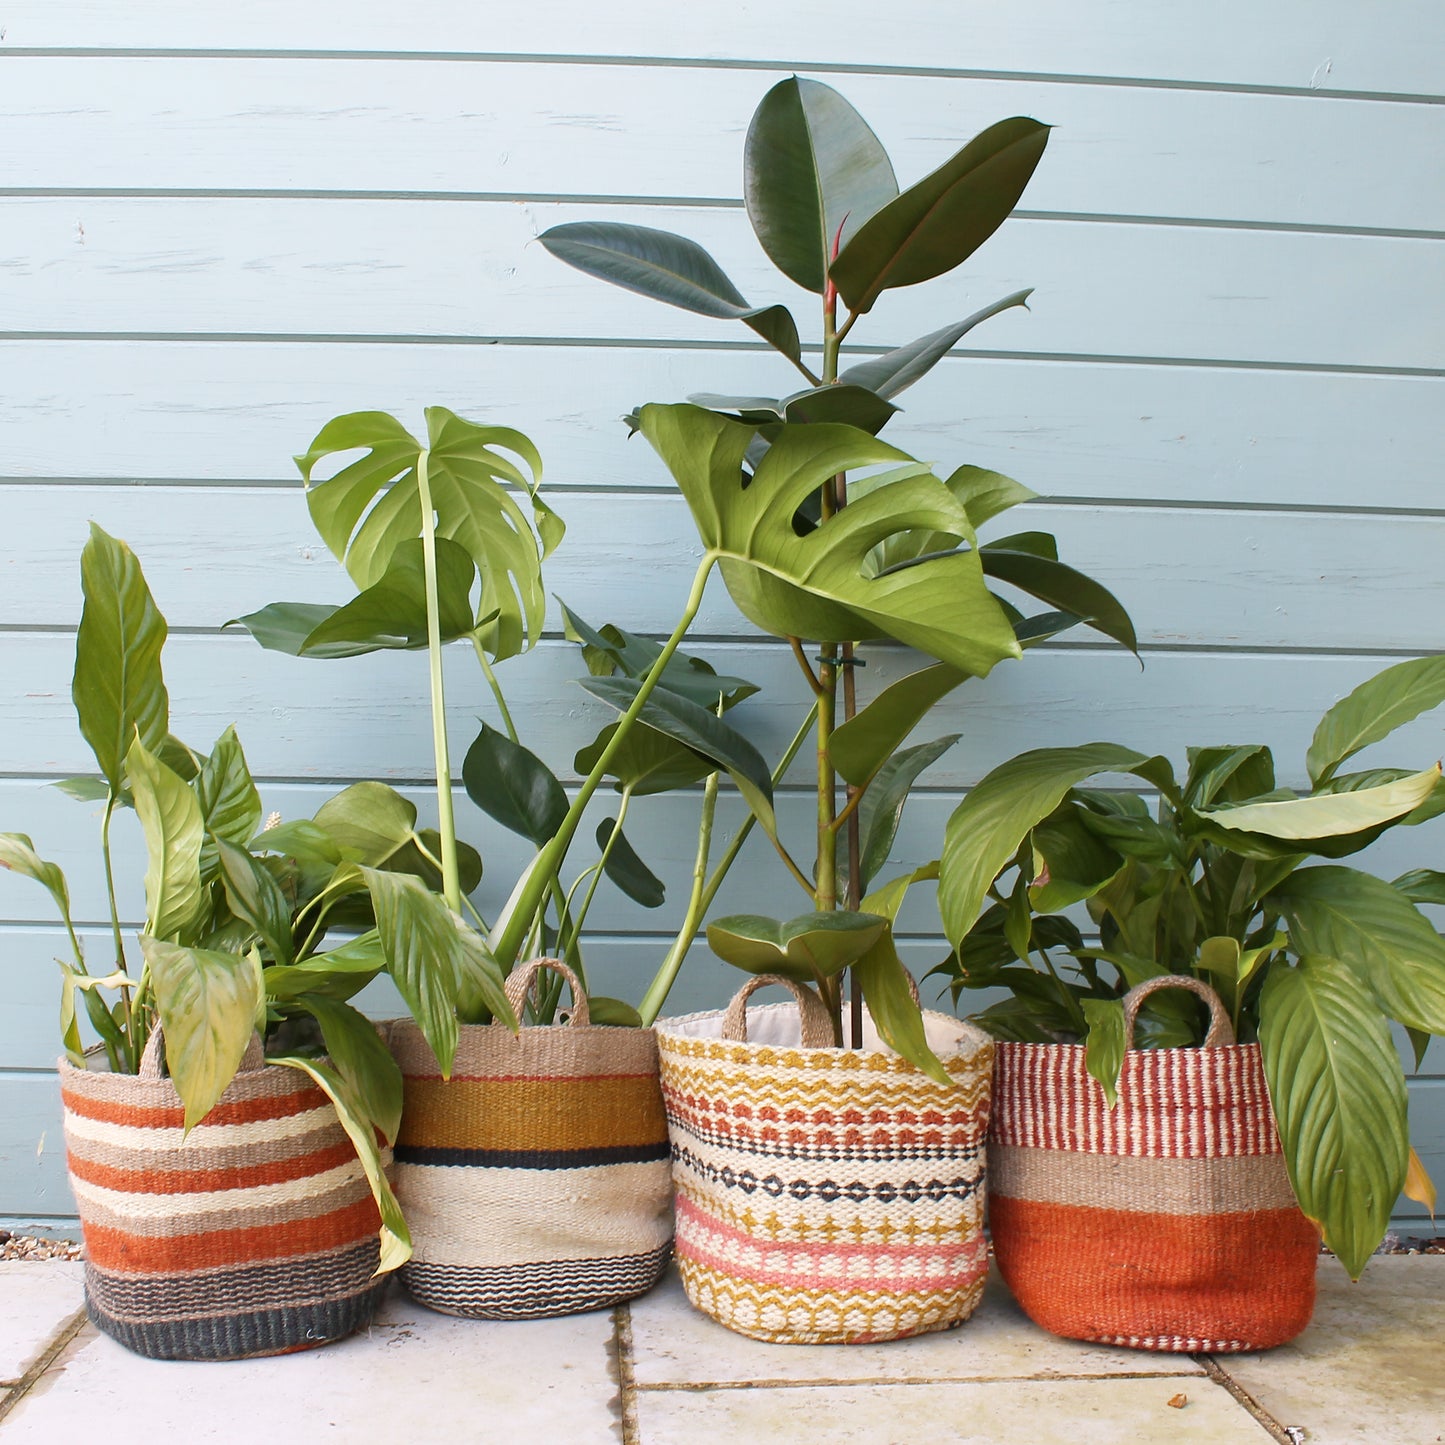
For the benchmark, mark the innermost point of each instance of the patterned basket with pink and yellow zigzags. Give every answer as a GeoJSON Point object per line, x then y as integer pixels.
{"type": "Point", "coordinates": [826, 1195]}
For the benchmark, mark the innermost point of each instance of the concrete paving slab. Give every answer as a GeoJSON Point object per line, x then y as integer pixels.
{"type": "Point", "coordinates": [674, 1344]}
{"type": "Point", "coordinates": [36, 1298]}
{"type": "Point", "coordinates": [997, 1412]}
{"type": "Point", "coordinates": [1369, 1367]}
{"type": "Point", "coordinates": [414, 1375]}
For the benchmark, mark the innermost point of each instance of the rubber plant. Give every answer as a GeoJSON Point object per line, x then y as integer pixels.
{"type": "Point", "coordinates": [813, 555]}
{"type": "Point", "coordinates": [1312, 961]}
{"type": "Point", "coordinates": [445, 541]}
{"type": "Point", "coordinates": [236, 913]}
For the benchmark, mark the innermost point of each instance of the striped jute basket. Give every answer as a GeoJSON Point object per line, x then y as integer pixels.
{"type": "Point", "coordinates": [825, 1195]}
{"type": "Point", "coordinates": [534, 1180]}
{"type": "Point", "coordinates": [1165, 1223]}
{"type": "Point", "coordinates": [255, 1235]}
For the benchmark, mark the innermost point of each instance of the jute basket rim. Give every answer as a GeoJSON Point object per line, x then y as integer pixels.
{"type": "Point", "coordinates": [1190, 1049]}
{"type": "Point", "coordinates": [572, 1030]}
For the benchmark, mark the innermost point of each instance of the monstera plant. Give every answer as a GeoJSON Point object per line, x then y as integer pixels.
{"type": "Point", "coordinates": [1312, 961]}
{"type": "Point", "coordinates": [812, 554]}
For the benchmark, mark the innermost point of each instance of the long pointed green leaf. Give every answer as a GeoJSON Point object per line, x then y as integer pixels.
{"type": "Point", "coordinates": [255, 897]}
{"type": "Point", "coordinates": [862, 744]}
{"type": "Point", "coordinates": [627, 870]}
{"type": "Point", "coordinates": [230, 804]}
{"type": "Point", "coordinates": [513, 785]}
{"type": "Point", "coordinates": [811, 168]}
{"type": "Point", "coordinates": [884, 983]}
{"type": "Point", "coordinates": [1105, 1044]}
{"type": "Point", "coordinates": [118, 689]}
{"type": "Point", "coordinates": [1328, 815]}
{"type": "Point", "coordinates": [18, 854]}
{"type": "Point", "coordinates": [882, 808]}
{"type": "Point", "coordinates": [1373, 711]}
{"type": "Point", "coordinates": [1063, 587]}
{"type": "Point", "coordinates": [1338, 1094]}
{"type": "Point", "coordinates": [943, 219]}
{"type": "Point", "coordinates": [361, 1059]}
{"type": "Point", "coordinates": [895, 371]}
{"type": "Point", "coordinates": [810, 947]}
{"type": "Point", "coordinates": [207, 1005]}
{"type": "Point", "coordinates": [340, 972]}
{"type": "Point", "coordinates": [174, 833]}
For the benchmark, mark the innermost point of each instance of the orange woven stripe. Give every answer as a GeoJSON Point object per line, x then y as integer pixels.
{"type": "Point", "coordinates": [115, 1250]}
{"type": "Point", "coordinates": [177, 1179]}
{"type": "Point", "coordinates": [248, 1111]}
{"type": "Point", "coordinates": [1245, 1280]}
{"type": "Point", "coordinates": [537, 1114]}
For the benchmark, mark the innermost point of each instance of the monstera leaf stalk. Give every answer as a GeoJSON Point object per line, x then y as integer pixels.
{"type": "Point", "coordinates": [812, 555]}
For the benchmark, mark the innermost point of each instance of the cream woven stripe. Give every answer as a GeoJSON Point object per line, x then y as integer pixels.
{"type": "Point", "coordinates": [487, 1217]}
{"type": "Point", "coordinates": [194, 1206]}
{"type": "Point", "coordinates": [262, 1131]}
{"type": "Point", "coordinates": [1160, 1186]}
{"type": "Point", "coordinates": [202, 1156]}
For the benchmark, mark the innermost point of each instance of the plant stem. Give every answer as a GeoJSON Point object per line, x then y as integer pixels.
{"type": "Point", "coordinates": [511, 929]}
{"type": "Point", "coordinates": [495, 686]}
{"type": "Point", "coordinates": [816, 687]}
{"type": "Point", "coordinates": [446, 822]}
{"type": "Point", "coordinates": [131, 1046]}
{"type": "Point", "coordinates": [612, 837]}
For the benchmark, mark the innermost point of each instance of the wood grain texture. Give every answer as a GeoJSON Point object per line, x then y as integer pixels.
{"type": "Point", "coordinates": [1302, 44]}
{"type": "Point", "coordinates": [454, 268]}
{"type": "Point", "coordinates": [208, 411]}
{"type": "Point", "coordinates": [534, 130]}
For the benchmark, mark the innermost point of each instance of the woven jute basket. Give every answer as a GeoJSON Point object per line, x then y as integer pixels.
{"type": "Point", "coordinates": [825, 1195]}
{"type": "Point", "coordinates": [535, 1180]}
{"type": "Point", "coordinates": [1165, 1223]}
{"type": "Point", "coordinates": [255, 1235]}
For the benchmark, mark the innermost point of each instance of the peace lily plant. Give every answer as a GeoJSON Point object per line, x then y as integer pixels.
{"type": "Point", "coordinates": [1312, 961]}
{"type": "Point", "coordinates": [236, 914]}
{"type": "Point", "coordinates": [826, 535]}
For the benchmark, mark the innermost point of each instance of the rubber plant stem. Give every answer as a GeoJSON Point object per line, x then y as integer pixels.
{"type": "Point", "coordinates": [509, 933]}
{"type": "Point", "coordinates": [575, 932]}
{"type": "Point", "coordinates": [495, 686]}
{"type": "Point", "coordinates": [446, 821]}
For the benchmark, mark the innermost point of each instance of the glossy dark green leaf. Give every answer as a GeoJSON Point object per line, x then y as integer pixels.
{"type": "Point", "coordinates": [884, 983]}
{"type": "Point", "coordinates": [230, 804]}
{"type": "Point", "coordinates": [207, 1005]}
{"type": "Point", "coordinates": [1140, 838]}
{"type": "Point", "coordinates": [807, 948]}
{"type": "Point", "coordinates": [1374, 710]}
{"type": "Point", "coordinates": [361, 1059]}
{"type": "Point", "coordinates": [702, 731]}
{"type": "Point", "coordinates": [410, 859]}
{"type": "Point", "coordinates": [513, 785]}
{"type": "Point", "coordinates": [118, 689]}
{"type": "Point", "coordinates": [882, 807]}
{"type": "Point", "coordinates": [1228, 775]}
{"type": "Point", "coordinates": [369, 820]}
{"type": "Point", "coordinates": [627, 870]}
{"type": "Point", "coordinates": [895, 371]}
{"type": "Point", "coordinates": [253, 895]}
{"type": "Point", "coordinates": [1338, 1095]}
{"type": "Point", "coordinates": [646, 762]}
{"type": "Point", "coordinates": [1104, 1046]}
{"type": "Point", "coordinates": [613, 1012]}
{"type": "Point", "coordinates": [862, 744]}
{"type": "Point", "coordinates": [812, 168]}
{"type": "Point", "coordinates": [1061, 586]}
{"type": "Point", "coordinates": [942, 220]}
{"type": "Point", "coordinates": [1422, 885]}
{"type": "Point", "coordinates": [1076, 861]}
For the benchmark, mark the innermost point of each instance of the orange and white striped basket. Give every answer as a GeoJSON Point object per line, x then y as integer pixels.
{"type": "Point", "coordinates": [1165, 1223]}
{"type": "Point", "coordinates": [256, 1234]}
{"type": "Point", "coordinates": [825, 1195]}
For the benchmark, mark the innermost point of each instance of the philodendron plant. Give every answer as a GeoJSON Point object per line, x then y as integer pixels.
{"type": "Point", "coordinates": [236, 913]}
{"type": "Point", "coordinates": [1312, 961]}
{"type": "Point", "coordinates": [809, 553]}
{"type": "Point", "coordinates": [437, 537]}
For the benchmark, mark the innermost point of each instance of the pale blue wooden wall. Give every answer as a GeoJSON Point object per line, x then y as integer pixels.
{"type": "Point", "coordinates": [220, 225]}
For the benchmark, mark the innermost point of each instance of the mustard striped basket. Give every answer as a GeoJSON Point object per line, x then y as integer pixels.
{"type": "Point", "coordinates": [535, 1181]}
{"type": "Point", "coordinates": [824, 1195]}
{"type": "Point", "coordinates": [256, 1236]}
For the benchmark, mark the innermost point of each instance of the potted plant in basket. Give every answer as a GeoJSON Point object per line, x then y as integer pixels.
{"type": "Point", "coordinates": [828, 537]}
{"type": "Point", "coordinates": [1168, 1175]}
{"type": "Point", "coordinates": [229, 955]}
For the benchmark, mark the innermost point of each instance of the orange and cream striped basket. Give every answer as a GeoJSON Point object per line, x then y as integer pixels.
{"type": "Point", "coordinates": [257, 1235]}
{"type": "Point", "coordinates": [535, 1180]}
{"type": "Point", "coordinates": [1165, 1223]}
{"type": "Point", "coordinates": [825, 1195]}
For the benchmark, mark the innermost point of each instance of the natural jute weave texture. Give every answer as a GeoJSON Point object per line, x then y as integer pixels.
{"type": "Point", "coordinates": [824, 1195]}
{"type": "Point", "coordinates": [257, 1235]}
{"type": "Point", "coordinates": [1166, 1223]}
{"type": "Point", "coordinates": [535, 1181]}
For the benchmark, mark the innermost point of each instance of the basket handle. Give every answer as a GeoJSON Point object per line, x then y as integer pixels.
{"type": "Point", "coordinates": [150, 1061]}
{"type": "Point", "coordinates": [519, 981]}
{"type": "Point", "coordinates": [1221, 1031]}
{"type": "Point", "coordinates": [816, 1026]}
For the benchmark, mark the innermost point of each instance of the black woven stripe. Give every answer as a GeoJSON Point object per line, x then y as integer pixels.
{"type": "Point", "coordinates": [533, 1158]}
{"type": "Point", "coordinates": [823, 1153]}
{"type": "Point", "coordinates": [269, 1285]}
{"type": "Point", "coordinates": [240, 1336]}
{"type": "Point", "coordinates": [774, 1186]}
{"type": "Point", "coordinates": [536, 1290]}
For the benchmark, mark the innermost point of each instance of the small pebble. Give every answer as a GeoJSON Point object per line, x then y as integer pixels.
{"type": "Point", "coordinates": [29, 1246]}
{"type": "Point", "coordinates": [1178, 1402]}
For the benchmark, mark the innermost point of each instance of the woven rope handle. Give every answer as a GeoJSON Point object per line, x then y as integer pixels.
{"type": "Point", "coordinates": [816, 1026]}
{"type": "Point", "coordinates": [1221, 1031]}
{"type": "Point", "coordinates": [519, 981]}
{"type": "Point", "coordinates": [150, 1061]}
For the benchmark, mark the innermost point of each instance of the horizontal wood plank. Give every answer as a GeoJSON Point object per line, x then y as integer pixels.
{"type": "Point", "coordinates": [451, 268]}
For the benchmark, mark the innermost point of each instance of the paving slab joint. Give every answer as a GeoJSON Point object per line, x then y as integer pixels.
{"type": "Point", "coordinates": [621, 1365]}
{"type": "Point", "coordinates": [1231, 1386]}
{"type": "Point", "coordinates": [43, 1361]}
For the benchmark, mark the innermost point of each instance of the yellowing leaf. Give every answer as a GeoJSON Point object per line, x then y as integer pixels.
{"type": "Point", "coordinates": [1418, 1184]}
